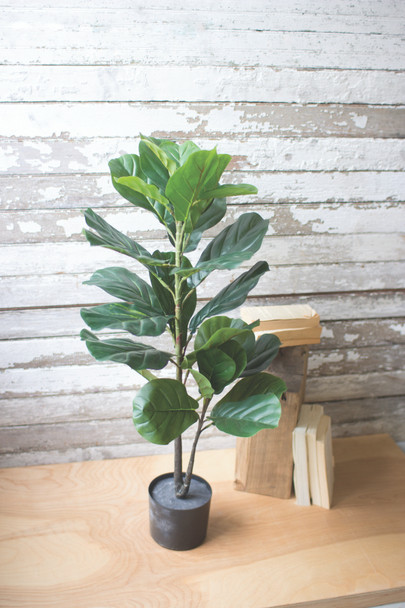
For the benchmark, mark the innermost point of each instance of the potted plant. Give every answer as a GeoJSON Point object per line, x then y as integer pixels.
{"type": "Point", "coordinates": [179, 185]}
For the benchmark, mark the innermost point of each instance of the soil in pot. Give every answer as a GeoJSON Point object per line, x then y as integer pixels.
{"type": "Point", "coordinates": [179, 523]}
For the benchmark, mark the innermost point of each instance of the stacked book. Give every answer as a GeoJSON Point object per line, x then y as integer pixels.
{"type": "Point", "coordinates": [313, 457]}
{"type": "Point", "coordinates": [294, 324]}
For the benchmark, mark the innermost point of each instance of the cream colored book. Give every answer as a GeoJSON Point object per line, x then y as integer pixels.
{"type": "Point", "coordinates": [308, 419]}
{"type": "Point", "coordinates": [324, 458]}
{"type": "Point", "coordinates": [312, 428]}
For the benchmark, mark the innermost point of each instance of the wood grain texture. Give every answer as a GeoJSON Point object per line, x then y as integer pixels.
{"type": "Point", "coordinates": [77, 534]}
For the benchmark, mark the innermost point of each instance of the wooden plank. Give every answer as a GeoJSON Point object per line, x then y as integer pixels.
{"type": "Point", "coordinates": [55, 156]}
{"type": "Point", "coordinates": [364, 545]}
{"type": "Point", "coordinates": [95, 43]}
{"type": "Point", "coordinates": [350, 418]}
{"type": "Point", "coordinates": [76, 379]}
{"type": "Point", "coordinates": [189, 83]}
{"type": "Point", "coordinates": [67, 290]}
{"type": "Point", "coordinates": [384, 309]}
{"type": "Point", "coordinates": [53, 258]}
{"type": "Point", "coordinates": [61, 225]}
{"type": "Point", "coordinates": [376, 9]}
{"type": "Point", "coordinates": [240, 17]}
{"type": "Point", "coordinates": [193, 120]}
{"type": "Point", "coordinates": [82, 191]}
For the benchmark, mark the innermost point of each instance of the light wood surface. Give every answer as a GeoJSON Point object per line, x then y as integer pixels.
{"type": "Point", "coordinates": [76, 535]}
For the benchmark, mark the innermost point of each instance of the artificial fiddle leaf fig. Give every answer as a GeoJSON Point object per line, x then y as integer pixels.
{"type": "Point", "coordinates": [162, 410]}
{"type": "Point", "coordinates": [120, 350]}
{"type": "Point", "coordinates": [180, 185]}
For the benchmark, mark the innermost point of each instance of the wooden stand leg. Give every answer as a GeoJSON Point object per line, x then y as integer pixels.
{"type": "Point", "coordinates": [264, 462]}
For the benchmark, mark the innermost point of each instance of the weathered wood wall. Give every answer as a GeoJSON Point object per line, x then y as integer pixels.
{"type": "Point", "coordinates": [309, 98]}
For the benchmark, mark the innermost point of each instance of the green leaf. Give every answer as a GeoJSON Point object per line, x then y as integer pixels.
{"type": "Point", "coordinates": [162, 410]}
{"type": "Point", "coordinates": [217, 366]}
{"type": "Point", "coordinates": [186, 186]}
{"type": "Point", "coordinates": [129, 165]}
{"type": "Point", "coordinates": [137, 356]}
{"type": "Point", "coordinates": [232, 190]}
{"type": "Point", "coordinates": [126, 285]}
{"type": "Point", "coordinates": [217, 330]}
{"type": "Point", "coordinates": [155, 163]}
{"type": "Point", "coordinates": [147, 190]}
{"type": "Point", "coordinates": [124, 316]}
{"type": "Point", "coordinates": [204, 385]}
{"type": "Point", "coordinates": [209, 218]}
{"type": "Point", "coordinates": [266, 349]}
{"type": "Point", "coordinates": [232, 246]}
{"type": "Point", "coordinates": [111, 238]}
{"type": "Point", "coordinates": [251, 405]}
{"type": "Point", "coordinates": [231, 296]}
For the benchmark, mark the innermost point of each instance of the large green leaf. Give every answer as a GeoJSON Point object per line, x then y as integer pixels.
{"type": "Point", "coordinates": [232, 190]}
{"type": "Point", "coordinates": [155, 163]}
{"type": "Point", "coordinates": [129, 165]}
{"type": "Point", "coordinates": [251, 405]}
{"type": "Point", "coordinates": [162, 410]}
{"type": "Point", "coordinates": [231, 296]}
{"type": "Point", "coordinates": [204, 385]}
{"type": "Point", "coordinates": [121, 315]}
{"type": "Point", "coordinates": [137, 356]}
{"type": "Point", "coordinates": [126, 285]}
{"type": "Point", "coordinates": [209, 218]}
{"type": "Point", "coordinates": [232, 246]}
{"type": "Point", "coordinates": [187, 185]}
{"type": "Point", "coordinates": [217, 366]}
{"type": "Point", "coordinates": [266, 349]}
{"type": "Point", "coordinates": [111, 238]}
{"type": "Point", "coordinates": [148, 190]}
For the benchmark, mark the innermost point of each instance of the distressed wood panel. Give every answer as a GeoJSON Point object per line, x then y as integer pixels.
{"type": "Point", "coordinates": [55, 156]}
{"type": "Point", "coordinates": [199, 83]}
{"type": "Point", "coordinates": [375, 8]}
{"type": "Point", "coordinates": [44, 35]}
{"type": "Point", "coordinates": [63, 290]}
{"type": "Point", "coordinates": [381, 311]}
{"type": "Point", "coordinates": [192, 120]}
{"type": "Point", "coordinates": [217, 16]}
{"type": "Point", "coordinates": [54, 258]}
{"type": "Point", "coordinates": [81, 191]}
{"type": "Point", "coordinates": [355, 359]}
{"type": "Point", "coordinates": [61, 225]}
{"type": "Point", "coordinates": [324, 146]}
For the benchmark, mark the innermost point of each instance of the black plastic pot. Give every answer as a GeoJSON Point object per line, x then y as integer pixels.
{"type": "Point", "coordinates": [179, 523]}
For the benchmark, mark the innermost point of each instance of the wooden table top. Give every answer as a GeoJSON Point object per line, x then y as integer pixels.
{"type": "Point", "coordinates": [76, 535]}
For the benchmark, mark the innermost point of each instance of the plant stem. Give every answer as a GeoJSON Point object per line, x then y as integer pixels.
{"type": "Point", "coordinates": [182, 492]}
{"type": "Point", "coordinates": [178, 464]}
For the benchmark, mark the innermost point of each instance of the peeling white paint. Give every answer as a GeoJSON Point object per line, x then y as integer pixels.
{"type": "Point", "coordinates": [29, 227]}
{"type": "Point", "coordinates": [351, 337]}
{"type": "Point", "coordinates": [138, 220]}
{"type": "Point", "coordinates": [41, 146]}
{"type": "Point", "coordinates": [359, 120]}
{"type": "Point", "coordinates": [353, 356]}
{"type": "Point", "coordinates": [72, 225]}
{"type": "Point", "coordinates": [51, 193]}
{"type": "Point", "coordinates": [397, 327]}
{"type": "Point", "coordinates": [327, 333]}
{"type": "Point", "coordinates": [10, 226]}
